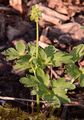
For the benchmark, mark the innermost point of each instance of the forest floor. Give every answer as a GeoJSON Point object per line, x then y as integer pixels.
{"type": "Point", "coordinates": [61, 26]}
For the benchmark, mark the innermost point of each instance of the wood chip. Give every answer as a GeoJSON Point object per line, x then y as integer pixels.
{"type": "Point", "coordinates": [53, 13]}
{"type": "Point", "coordinates": [16, 4]}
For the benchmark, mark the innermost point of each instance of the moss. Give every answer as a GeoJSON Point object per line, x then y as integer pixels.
{"type": "Point", "coordinates": [7, 112]}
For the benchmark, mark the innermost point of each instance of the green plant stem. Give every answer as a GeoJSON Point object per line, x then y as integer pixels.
{"type": "Point", "coordinates": [37, 37]}
{"type": "Point", "coordinates": [37, 99]}
{"type": "Point", "coordinates": [38, 103]}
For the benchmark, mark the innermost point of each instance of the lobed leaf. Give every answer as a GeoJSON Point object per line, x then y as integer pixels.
{"type": "Point", "coordinates": [42, 77]}
{"type": "Point", "coordinates": [62, 84]}
{"type": "Point", "coordinates": [22, 63]}
{"type": "Point", "coordinates": [50, 50]}
{"type": "Point", "coordinates": [60, 88]}
{"type": "Point", "coordinates": [29, 81]}
{"type": "Point", "coordinates": [11, 54]}
{"type": "Point", "coordinates": [73, 71]}
{"type": "Point", "coordinates": [42, 55]}
{"type": "Point", "coordinates": [61, 57]}
{"type": "Point", "coordinates": [77, 52]}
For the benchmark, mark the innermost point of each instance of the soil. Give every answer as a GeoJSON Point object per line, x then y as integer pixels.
{"type": "Point", "coordinates": [64, 35]}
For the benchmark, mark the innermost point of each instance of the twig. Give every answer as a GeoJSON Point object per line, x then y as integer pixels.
{"type": "Point", "coordinates": [53, 72]}
{"type": "Point", "coordinates": [5, 8]}
{"type": "Point", "coordinates": [19, 99]}
{"type": "Point", "coordinates": [75, 103]}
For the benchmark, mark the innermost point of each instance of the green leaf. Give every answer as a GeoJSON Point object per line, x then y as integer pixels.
{"type": "Point", "coordinates": [63, 97]}
{"type": "Point", "coordinates": [23, 63]}
{"type": "Point", "coordinates": [25, 58]}
{"type": "Point", "coordinates": [60, 88]}
{"type": "Point", "coordinates": [62, 84]}
{"type": "Point", "coordinates": [42, 77]}
{"type": "Point", "coordinates": [82, 80]}
{"type": "Point", "coordinates": [82, 70]}
{"type": "Point", "coordinates": [52, 100]}
{"type": "Point", "coordinates": [72, 70]}
{"type": "Point", "coordinates": [50, 50]}
{"type": "Point", "coordinates": [43, 89]}
{"type": "Point", "coordinates": [77, 52]}
{"type": "Point", "coordinates": [11, 54]}
{"type": "Point", "coordinates": [29, 81]}
{"type": "Point", "coordinates": [21, 67]}
{"type": "Point", "coordinates": [57, 60]}
{"type": "Point", "coordinates": [33, 92]}
{"type": "Point", "coordinates": [48, 96]}
{"type": "Point", "coordinates": [20, 47]}
{"type": "Point", "coordinates": [61, 57]}
{"type": "Point", "coordinates": [67, 59]}
{"type": "Point", "coordinates": [43, 59]}
{"type": "Point", "coordinates": [42, 54]}
{"type": "Point", "coordinates": [31, 49]}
